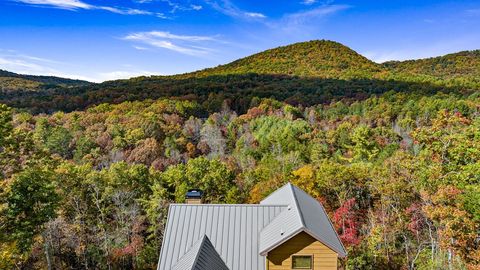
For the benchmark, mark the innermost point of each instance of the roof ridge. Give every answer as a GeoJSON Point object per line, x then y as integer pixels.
{"type": "Point", "coordinates": [196, 244]}
{"type": "Point", "coordinates": [277, 190]}
{"type": "Point", "coordinates": [229, 205]}
{"type": "Point", "coordinates": [202, 247]}
{"type": "Point", "coordinates": [302, 220]}
{"type": "Point", "coordinates": [204, 238]}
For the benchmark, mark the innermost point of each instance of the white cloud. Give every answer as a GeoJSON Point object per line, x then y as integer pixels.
{"type": "Point", "coordinates": [303, 23]}
{"type": "Point", "coordinates": [14, 61]}
{"type": "Point", "coordinates": [168, 35]}
{"type": "Point", "coordinates": [77, 4]}
{"type": "Point", "coordinates": [419, 51]}
{"type": "Point", "coordinates": [473, 11]}
{"type": "Point", "coordinates": [140, 48]}
{"type": "Point", "coordinates": [380, 57]}
{"type": "Point", "coordinates": [196, 7]}
{"type": "Point", "coordinates": [65, 4]}
{"type": "Point", "coordinates": [309, 2]}
{"type": "Point", "coordinates": [169, 45]}
{"type": "Point", "coordinates": [121, 74]}
{"type": "Point", "coordinates": [174, 5]}
{"type": "Point", "coordinates": [161, 15]}
{"type": "Point", "coordinates": [25, 64]}
{"type": "Point", "coordinates": [126, 11]}
{"type": "Point", "coordinates": [185, 44]}
{"type": "Point", "coordinates": [18, 65]}
{"type": "Point", "coordinates": [303, 16]}
{"type": "Point", "coordinates": [226, 7]}
{"type": "Point", "coordinates": [254, 15]}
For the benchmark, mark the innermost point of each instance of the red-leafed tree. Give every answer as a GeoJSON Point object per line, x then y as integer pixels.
{"type": "Point", "coordinates": [346, 221]}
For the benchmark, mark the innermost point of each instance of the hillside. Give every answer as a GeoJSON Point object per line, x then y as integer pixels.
{"type": "Point", "coordinates": [318, 58]}
{"type": "Point", "coordinates": [456, 68]}
{"type": "Point", "coordinates": [461, 64]}
{"type": "Point", "coordinates": [10, 81]}
{"type": "Point", "coordinates": [307, 73]}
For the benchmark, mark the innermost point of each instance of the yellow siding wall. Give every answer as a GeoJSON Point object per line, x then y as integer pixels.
{"type": "Point", "coordinates": [302, 244]}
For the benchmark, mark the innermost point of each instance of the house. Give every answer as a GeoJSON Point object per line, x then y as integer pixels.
{"type": "Point", "coordinates": [288, 230]}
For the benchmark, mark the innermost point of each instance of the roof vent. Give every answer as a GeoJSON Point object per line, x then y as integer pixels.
{"type": "Point", "coordinates": [194, 196]}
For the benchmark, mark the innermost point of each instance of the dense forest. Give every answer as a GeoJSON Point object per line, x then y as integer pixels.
{"type": "Point", "coordinates": [306, 73]}
{"type": "Point", "coordinates": [12, 82]}
{"type": "Point", "coordinates": [394, 161]}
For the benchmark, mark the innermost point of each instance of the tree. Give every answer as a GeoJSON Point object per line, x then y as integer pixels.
{"type": "Point", "coordinates": [364, 145]}
{"type": "Point", "coordinates": [146, 152]}
{"type": "Point", "coordinates": [304, 178]}
{"type": "Point", "coordinates": [6, 126]}
{"type": "Point", "coordinates": [58, 141]}
{"type": "Point", "coordinates": [29, 201]}
{"type": "Point", "coordinates": [457, 231]}
{"type": "Point", "coordinates": [211, 176]}
{"type": "Point", "coordinates": [156, 210]}
{"type": "Point", "coordinates": [346, 220]}
{"type": "Point", "coordinates": [213, 137]}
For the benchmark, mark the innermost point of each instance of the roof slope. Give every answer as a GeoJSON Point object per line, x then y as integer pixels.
{"type": "Point", "coordinates": [232, 229]}
{"type": "Point", "coordinates": [202, 256]}
{"type": "Point", "coordinates": [304, 213]}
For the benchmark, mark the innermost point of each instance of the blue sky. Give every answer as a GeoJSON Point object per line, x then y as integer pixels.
{"type": "Point", "coordinates": [102, 40]}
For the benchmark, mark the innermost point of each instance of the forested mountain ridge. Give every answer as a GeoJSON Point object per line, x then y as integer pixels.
{"type": "Point", "coordinates": [461, 64]}
{"type": "Point", "coordinates": [10, 81]}
{"type": "Point", "coordinates": [305, 73]}
{"type": "Point", "coordinates": [317, 58]}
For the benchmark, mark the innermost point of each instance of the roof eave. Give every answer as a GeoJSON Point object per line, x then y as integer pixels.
{"type": "Point", "coordinates": [163, 240]}
{"type": "Point", "coordinates": [265, 251]}
{"type": "Point", "coordinates": [341, 253]}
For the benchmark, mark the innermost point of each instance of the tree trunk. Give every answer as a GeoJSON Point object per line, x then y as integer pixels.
{"type": "Point", "coordinates": [47, 253]}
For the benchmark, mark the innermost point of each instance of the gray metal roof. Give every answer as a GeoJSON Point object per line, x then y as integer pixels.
{"type": "Point", "coordinates": [303, 213]}
{"type": "Point", "coordinates": [201, 256]}
{"type": "Point", "coordinates": [243, 234]}
{"type": "Point", "coordinates": [232, 229]}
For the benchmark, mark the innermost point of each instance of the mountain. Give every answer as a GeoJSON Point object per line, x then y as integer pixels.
{"type": "Point", "coordinates": [464, 64]}
{"type": "Point", "coordinates": [307, 73]}
{"type": "Point", "coordinates": [10, 81]}
{"type": "Point", "coordinates": [318, 58]}
{"type": "Point", "coordinates": [456, 69]}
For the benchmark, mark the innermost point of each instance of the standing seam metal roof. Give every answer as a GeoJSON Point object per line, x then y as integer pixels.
{"type": "Point", "coordinates": [232, 229]}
